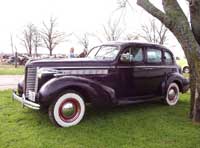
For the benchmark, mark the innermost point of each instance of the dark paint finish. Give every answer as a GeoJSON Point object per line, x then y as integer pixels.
{"type": "Point", "coordinates": [124, 82]}
{"type": "Point", "coordinates": [93, 91]}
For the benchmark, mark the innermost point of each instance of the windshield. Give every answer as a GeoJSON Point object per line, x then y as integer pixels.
{"type": "Point", "coordinates": [104, 53]}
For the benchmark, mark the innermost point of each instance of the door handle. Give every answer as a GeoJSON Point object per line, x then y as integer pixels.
{"type": "Point", "coordinates": [145, 68]}
{"type": "Point", "coordinates": [148, 68]}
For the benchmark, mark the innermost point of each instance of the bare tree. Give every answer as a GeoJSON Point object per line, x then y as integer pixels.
{"type": "Point", "coordinates": [37, 40]}
{"type": "Point", "coordinates": [154, 32]}
{"type": "Point", "coordinates": [16, 57]}
{"type": "Point", "coordinates": [112, 31]}
{"type": "Point", "coordinates": [11, 44]}
{"type": "Point", "coordinates": [83, 40]}
{"type": "Point", "coordinates": [131, 37]}
{"type": "Point", "coordinates": [97, 37]}
{"type": "Point", "coordinates": [51, 36]}
{"type": "Point", "coordinates": [27, 40]}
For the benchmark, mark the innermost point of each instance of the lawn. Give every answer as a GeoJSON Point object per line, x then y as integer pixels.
{"type": "Point", "coordinates": [11, 70]}
{"type": "Point", "coordinates": [146, 125]}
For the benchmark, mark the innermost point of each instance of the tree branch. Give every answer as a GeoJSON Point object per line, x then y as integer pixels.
{"type": "Point", "coordinates": [195, 18]}
{"type": "Point", "coordinates": [149, 7]}
{"type": "Point", "coordinates": [177, 12]}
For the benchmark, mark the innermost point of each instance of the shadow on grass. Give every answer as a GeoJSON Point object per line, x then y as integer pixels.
{"type": "Point", "coordinates": [92, 114]}
{"type": "Point", "coordinates": [123, 111]}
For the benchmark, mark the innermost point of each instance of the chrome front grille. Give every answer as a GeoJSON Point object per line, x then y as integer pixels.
{"type": "Point", "coordinates": [31, 80]}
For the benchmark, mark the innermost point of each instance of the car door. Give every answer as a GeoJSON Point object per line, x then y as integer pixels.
{"type": "Point", "coordinates": [130, 79]}
{"type": "Point", "coordinates": [155, 71]}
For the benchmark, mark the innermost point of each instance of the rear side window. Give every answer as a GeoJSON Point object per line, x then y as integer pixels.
{"type": "Point", "coordinates": [154, 55]}
{"type": "Point", "coordinates": [168, 58]}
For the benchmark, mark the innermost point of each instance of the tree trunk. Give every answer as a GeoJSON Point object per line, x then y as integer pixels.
{"type": "Point", "coordinates": [36, 54]}
{"type": "Point", "coordinates": [30, 52]}
{"type": "Point", "coordinates": [192, 91]}
{"type": "Point", "coordinates": [191, 48]}
{"type": "Point", "coordinates": [50, 52]}
{"type": "Point", "coordinates": [16, 59]}
{"type": "Point", "coordinates": [195, 18]}
{"type": "Point", "coordinates": [176, 21]}
{"type": "Point", "coordinates": [196, 112]}
{"type": "Point", "coordinates": [196, 107]}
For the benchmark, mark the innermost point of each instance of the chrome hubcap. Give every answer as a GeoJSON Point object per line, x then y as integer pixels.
{"type": "Point", "coordinates": [172, 94]}
{"type": "Point", "coordinates": [68, 109]}
{"type": "Point", "coordinates": [187, 70]}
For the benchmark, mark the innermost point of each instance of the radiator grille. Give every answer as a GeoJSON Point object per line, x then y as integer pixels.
{"type": "Point", "coordinates": [31, 80]}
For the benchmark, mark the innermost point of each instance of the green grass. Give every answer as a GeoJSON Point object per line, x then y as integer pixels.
{"type": "Point", "coordinates": [186, 75]}
{"type": "Point", "coordinates": [11, 70]}
{"type": "Point", "coordinates": [146, 125]}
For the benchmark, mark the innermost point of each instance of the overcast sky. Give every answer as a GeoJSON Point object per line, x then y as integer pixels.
{"type": "Point", "coordinates": [78, 16]}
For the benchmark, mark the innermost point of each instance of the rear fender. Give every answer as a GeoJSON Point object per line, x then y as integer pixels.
{"type": "Point", "coordinates": [174, 77]}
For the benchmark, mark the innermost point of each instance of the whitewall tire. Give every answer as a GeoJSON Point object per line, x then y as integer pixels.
{"type": "Point", "coordinates": [68, 110]}
{"type": "Point", "coordinates": [172, 95]}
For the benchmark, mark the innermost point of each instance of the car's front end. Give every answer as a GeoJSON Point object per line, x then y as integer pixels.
{"type": "Point", "coordinates": [38, 73]}
{"type": "Point", "coordinates": [27, 89]}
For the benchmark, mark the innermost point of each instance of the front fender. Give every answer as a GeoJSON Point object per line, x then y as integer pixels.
{"type": "Point", "coordinates": [99, 94]}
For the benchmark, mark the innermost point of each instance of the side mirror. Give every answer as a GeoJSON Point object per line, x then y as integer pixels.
{"type": "Point", "coordinates": [125, 57]}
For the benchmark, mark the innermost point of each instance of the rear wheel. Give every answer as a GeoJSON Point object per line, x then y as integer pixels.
{"type": "Point", "coordinates": [172, 95]}
{"type": "Point", "coordinates": [68, 110]}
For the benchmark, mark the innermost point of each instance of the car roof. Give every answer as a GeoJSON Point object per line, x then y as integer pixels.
{"type": "Point", "coordinates": [134, 42]}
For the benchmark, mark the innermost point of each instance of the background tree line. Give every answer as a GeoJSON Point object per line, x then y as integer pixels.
{"type": "Point", "coordinates": [49, 36]}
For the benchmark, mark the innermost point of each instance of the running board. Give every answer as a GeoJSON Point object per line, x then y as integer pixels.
{"type": "Point", "coordinates": [125, 102]}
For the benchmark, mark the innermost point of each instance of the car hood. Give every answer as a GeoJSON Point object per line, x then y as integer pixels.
{"type": "Point", "coordinates": [72, 62]}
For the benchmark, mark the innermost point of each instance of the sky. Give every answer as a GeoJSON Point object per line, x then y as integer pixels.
{"type": "Point", "coordinates": [72, 16]}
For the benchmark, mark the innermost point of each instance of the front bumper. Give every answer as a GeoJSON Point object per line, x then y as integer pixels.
{"type": "Point", "coordinates": [25, 102]}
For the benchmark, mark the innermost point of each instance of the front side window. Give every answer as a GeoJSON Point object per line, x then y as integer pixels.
{"type": "Point", "coordinates": [154, 55]}
{"type": "Point", "coordinates": [104, 53]}
{"type": "Point", "coordinates": [134, 54]}
{"type": "Point", "coordinates": [168, 58]}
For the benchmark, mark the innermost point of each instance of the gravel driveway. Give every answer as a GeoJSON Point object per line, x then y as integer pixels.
{"type": "Point", "coordinates": [9, 81]}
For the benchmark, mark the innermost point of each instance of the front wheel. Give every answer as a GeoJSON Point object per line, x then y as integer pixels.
{"type": "Point", "coordinates": [68, 110]}
{"type": "Point", "coordinates": [172, 95]}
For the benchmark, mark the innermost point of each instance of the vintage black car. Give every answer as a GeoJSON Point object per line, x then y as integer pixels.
{"type": "Point", "coordinates": [112, 74]}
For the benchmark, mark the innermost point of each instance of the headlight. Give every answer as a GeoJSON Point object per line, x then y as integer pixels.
{"type": "Point", "coordinates": [43, 71]}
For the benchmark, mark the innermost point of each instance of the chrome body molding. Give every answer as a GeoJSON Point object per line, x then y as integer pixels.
{"type": "Point", "coordinates": [79, 67]}
{"type": "Point", "coordinates": [148, 66]}
{"type": "Point", "coordinates": [25, 102]}
{"type": "Point", "coordinates": [82, 72]}
{"type": "Point", "coordinates": [62, 71]}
